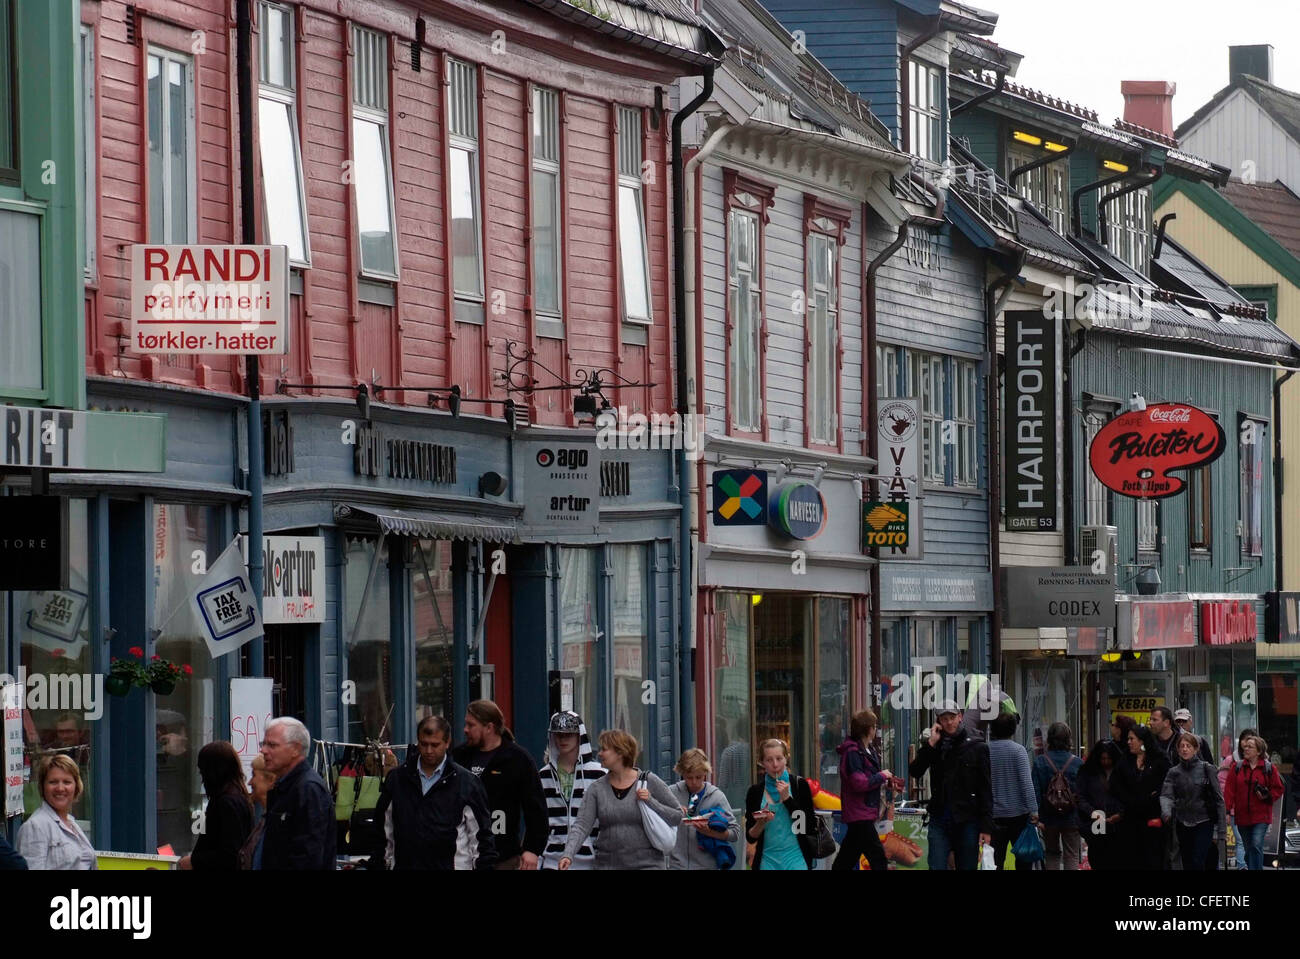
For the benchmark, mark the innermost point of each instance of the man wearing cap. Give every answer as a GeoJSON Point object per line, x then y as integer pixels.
{"type": "Point", "coordinates": [1183, 720]}
{"type": "Point", "coordinates": [961, 790]}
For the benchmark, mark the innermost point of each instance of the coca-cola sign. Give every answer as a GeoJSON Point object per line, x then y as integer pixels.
{"type": "Point", "coordinates": [1135, 453]}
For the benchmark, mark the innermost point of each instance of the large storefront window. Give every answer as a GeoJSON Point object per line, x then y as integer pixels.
{"type": "Point", "coordinates": [632, 655]}
{"type": "Point", "coordinates": [580, 630]}
{"type": "Point", "coordinates": [733, 766]}
{"type": "Point", "coordinates": [433, 618]}
{"type": "Point", "coordinates": [184, 718]}
{"type": "Point", "coordinates": [55, 654]}
{"type": "Point", "coordinates": [367, 620]}
{"type": "Point", "coordinates": [1051, 696]}
{"type": "Point", "coordinates": [1279, 719]}
{"type": "Point", "coordinates": [834, 681]}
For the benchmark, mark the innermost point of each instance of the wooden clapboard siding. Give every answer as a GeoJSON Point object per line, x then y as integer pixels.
{"type": "Point", "coordinates": [1239, 132]}
{"type": "Point", "coordinates": [507, 220]}
{"type": "Point", "coordinates": [374, 344]}
{"type": "Point", "coordinates": [593, 297]}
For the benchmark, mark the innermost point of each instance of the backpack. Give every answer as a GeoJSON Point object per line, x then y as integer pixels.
{"type": "Point", "coordinates": [1058, 795]}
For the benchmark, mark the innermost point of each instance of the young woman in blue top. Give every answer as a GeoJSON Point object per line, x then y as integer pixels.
{"type": "Point", "coordinates": [779, 813]}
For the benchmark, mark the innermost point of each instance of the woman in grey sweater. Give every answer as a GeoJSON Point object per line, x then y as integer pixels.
{"type": "Point", "coordinates": [704, 802]}
{"type": "Point", "coordinates": [623, 842]}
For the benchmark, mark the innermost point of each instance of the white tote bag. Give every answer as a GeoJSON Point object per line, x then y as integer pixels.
{"type": "Point", "coordinates": [661, 835]}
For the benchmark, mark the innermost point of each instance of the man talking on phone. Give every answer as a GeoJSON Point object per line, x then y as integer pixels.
{"type": "Point", "coordinates": [961, 790]}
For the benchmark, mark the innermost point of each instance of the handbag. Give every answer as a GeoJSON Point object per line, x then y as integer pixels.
{"type": "Point", "coordinates": [661, 835]}
{"type": "Point", "coordinates": [823, 842]}
{"type": "Point", "coordinates": [1028, 848]}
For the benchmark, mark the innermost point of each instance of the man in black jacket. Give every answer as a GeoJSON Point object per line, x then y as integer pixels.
{"type": "Point", "coordinates": [961, 790]}
{"type": "Point", "coordinates": [9, 858]}
{"type": "Point", "coordinates": [300, 831]}
{"type": "Point", "coordinates": [435, 811]}
{"type": "Point", "coordinates": [514, 789]}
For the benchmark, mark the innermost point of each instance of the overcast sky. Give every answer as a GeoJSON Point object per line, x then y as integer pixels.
{"type": "Point", "coordinates": [1081, 51]}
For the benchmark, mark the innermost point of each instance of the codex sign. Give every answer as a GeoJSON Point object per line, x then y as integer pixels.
{"type": "Point", "coordinates": [1056, 596]}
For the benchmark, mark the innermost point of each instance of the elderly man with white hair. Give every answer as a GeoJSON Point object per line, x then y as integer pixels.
{"type": "Point", "coordinates": [300, 831]}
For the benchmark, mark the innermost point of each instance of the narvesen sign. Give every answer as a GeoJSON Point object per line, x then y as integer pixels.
{"type": "Point", "coordinates": [209, 299]}
{"type": "Point", "coordinates": [1030, 416]}
{"type": "Point", "coordinates": [1134, 453]}
{"type": "Point", "coordinates": [798, 511]}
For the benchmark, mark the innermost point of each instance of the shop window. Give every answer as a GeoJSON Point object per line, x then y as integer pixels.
{"type": "Point", "coordinates": [282, 192]}
{"type": "Point", "coordinates": [367, 621]}
{"type": "Point", "coordinates": [783, 647]}
{"type": "Point", "coordinates": [183, 718]}
{"type": "Point", "coordinates": [633, 658]}
{"type": "Point", "coordinates": [1199, 509]}
{"type": "Point", "coordinates": [372, 171]}
{"type": "Point", "coordinates": [464, 189]}
{"type": "Point", "coordinates": [1279, 719]}
{"type": "Point", "coordinates": [173, 158]}
{"type": "Point", "coordinates": [634, 259]}
{"type": "Point", "coordinates": [733, 759]}
{"type": "Point", "coordinates": [52, 629]}
{"type": "Point", "coordinates": [433, 624]}
{"type": "Point", "coordinates": [580, 630]}
{"type": "Point", "coordinates": [21, 350]}
{"type": "Point", "coordinates": [1251, 455]}
{"type": "Point", "coordinates": [548, 269]}
{"type": "Point", "coordinates": [925, 111]}
{"type": "Point", "coordinates": [1051, 695]}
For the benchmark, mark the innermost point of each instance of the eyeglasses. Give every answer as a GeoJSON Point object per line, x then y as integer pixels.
{"type": "Point", "coordinates": [267, 744]}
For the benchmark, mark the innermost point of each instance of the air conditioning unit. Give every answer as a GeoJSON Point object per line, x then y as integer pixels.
{"type": "Point", "coordinates": [1094, 538]}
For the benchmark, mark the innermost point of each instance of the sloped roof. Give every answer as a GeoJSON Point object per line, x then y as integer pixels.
{"type": "Point", "coordinates": [1274, 208]}
{"type": "Point", "coordinates": [983, 54]}
{"type": "Point", "coordinates": [1180, 268]}
{"type": "Point", "coordinates": [668, 27]}
{"type": "Point", "coordinates": [1282, 105]}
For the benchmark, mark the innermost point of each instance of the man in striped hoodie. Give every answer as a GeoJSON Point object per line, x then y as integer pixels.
{"type": "Point", "coordinates": [570, 768]}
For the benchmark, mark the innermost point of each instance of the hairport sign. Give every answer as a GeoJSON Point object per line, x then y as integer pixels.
{"type": "Point", "coordinates": [210, 299]}
{"type": "Point", "coordinates": [1030, 422]}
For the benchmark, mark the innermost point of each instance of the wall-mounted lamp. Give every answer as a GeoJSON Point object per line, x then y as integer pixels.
{"type": "Point", "coordinates": [491, 484]}
{"type": "Point", "coordinates": [1055, 147]}
{"type": "Point", "coordinates": [1115, 166]}
{"type": "Point", "coordinates": [782, 469]}
{"type": "Point", "coordinates": [818, 473]}
{"type": "Point", "coordinates": [1137, 403]}
{"type": "Point", "coordinates": [1148, 581]}
{"type": "Point", "coordinates": [1029, 138]}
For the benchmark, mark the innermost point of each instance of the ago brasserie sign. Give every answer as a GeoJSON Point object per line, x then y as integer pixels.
{"type": "Point", "coordinates": [1134, 453]}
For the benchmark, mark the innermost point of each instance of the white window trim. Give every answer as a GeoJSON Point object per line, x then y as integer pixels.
{"type": "Point", "coordinates": [634, 182]}
{"type": "Point", "coordinates": [965, 427]}
{"type": "Point", "coordinates": [552, 167]}
{"type": "Point", "coordinates": [828, 364]}
{"type": "Point", "coordinates": [754, 272]}
{"type": "Point", "coordinates": [1148, 529]}
{"type": "Point", "coordinates": [932, 113]}
{"type": "Point", "coordinates": [287, 98]}
{"type": "Point", "coordinates": [471, 146]}
{"type": "Point", "coordinates": [191, 141]}
{"type": "Point", "coordinates": [90, 266]}
{"type": "Point", "coordinates": [1254, 494]}
{"type": "Point", "coordinates": [380, 118]}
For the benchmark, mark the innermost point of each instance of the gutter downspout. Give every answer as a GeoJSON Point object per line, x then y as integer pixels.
{"type": "Point", "coordinates": [1076, 222]}
{"type": "Point", "coordinates": [904, 85]}
{"type": "Point", "coordinates": [995, 301]}
{"type": "Point", "coordinates": [1020, 171]}
{"type": "Point", "coordinates": [686, 659]}
{"type": "Point", "coordinates": [1278, 583]}
{"type": "Point", "coordinates": [1067, 430]}
{"type": "Point", "coordinates": [1145, 179]}
{"type": "Point", "coordinates": [1160, 233]}
{"type": "Point", "coordinates": [980, 97]}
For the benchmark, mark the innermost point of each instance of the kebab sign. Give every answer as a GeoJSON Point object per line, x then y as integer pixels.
{"type": "Point", "coordinates": [210, 299]}
{"type": "Point", "coordinates": [1135, 453]}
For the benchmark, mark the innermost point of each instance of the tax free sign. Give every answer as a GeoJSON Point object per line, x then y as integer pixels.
{"type": "Point", "coordinates": [210, 299]}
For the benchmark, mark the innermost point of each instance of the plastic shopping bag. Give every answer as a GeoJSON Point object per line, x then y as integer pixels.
{"type": "Point", "coordinates": [1028, 848]}
{"type": "Point", "coordinates": [986, 857]}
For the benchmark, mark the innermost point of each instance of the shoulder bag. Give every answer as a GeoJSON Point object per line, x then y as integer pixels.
{"type": "Point", "coordinates": [661, 835]}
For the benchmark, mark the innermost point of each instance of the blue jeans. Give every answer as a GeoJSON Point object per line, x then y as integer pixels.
{"type": "Point", "coordinates": [1241, 848]}
{"type": "Point", "coordinates": [1252, 840]}
{"type": "Point", "coordinates": [961, 839]}
{"type": "Point", "coordinates": [1194, 844]}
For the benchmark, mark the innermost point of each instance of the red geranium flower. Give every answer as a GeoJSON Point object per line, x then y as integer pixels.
{"type": "Point", "coordinates": [154, 658]}
{"type": "Point", "coordinates": [187, 669]}
{"type": "Point", "coordinates": [136, 651]}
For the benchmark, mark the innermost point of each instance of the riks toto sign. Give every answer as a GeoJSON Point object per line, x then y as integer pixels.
{"type": "Point", "coordinates": [1134, 453]}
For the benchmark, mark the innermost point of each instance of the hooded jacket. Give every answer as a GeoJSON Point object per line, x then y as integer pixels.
{"type": "Point", "coordinates": [560, 815]}
{"type": "Point", "coordinates": [860, 782]}
{"type": "Point", "coordinates": [690, 851]}
{"type": "Point", "coordinates": [1190, 793]}
{"type": "Point", "coordinates": [514, 788]}
{"type": "Point", "coordinates": [447, 828]}
{"type": "Point", "coordinates": [961, 783]}
{"type": "Point", "coordinates": [1239, 795]}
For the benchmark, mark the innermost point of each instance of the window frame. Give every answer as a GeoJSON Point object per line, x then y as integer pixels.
{"type": "Point", "coordinates": [1200, 484]}
{"type": "Point", "coordinates": [1150, 546]}
{"type": "Point", "coordinates": [470, 305]}
{"type": "Point", "coordinates": [381, 119]}
{"type": "Point", "coordinates": [167, 55]}
{"type": "Point", "coordinates": [549, 323]}
{"type": "Point", "coordinates": [89, 152]}
{"type": "Point", "coordinates": [1251, 491]}
{"type": "Point", "coordinates": [45, 335]}
{"type": "Point", "coordinates": [12, 175]}
{"type": "Point", "coordinates": [1096, 414]}
{"type": "Point", "coordinates": [824, 222]}
{"type": "Point", "coordinates": [966, 428]}
{"type": "Point", "coordinates": [753, 199]}
{"type": "Point", "coordinates": [1129, 228]}
{"type": "Point", "coordinates": [1038, 185]}
{"type": "Point", "coordinates": [627, 181]}
{"type": "Point", "coordinates": [287, 97]}
{"type": "Point", "coordinates": [933, 111]}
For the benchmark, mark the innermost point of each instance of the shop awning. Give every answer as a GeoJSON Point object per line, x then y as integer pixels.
{"type": "Point", "coordinates": [431, 525]}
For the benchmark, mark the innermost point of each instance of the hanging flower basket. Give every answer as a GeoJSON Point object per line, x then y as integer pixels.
{"type": "Point", "coordinates": [158, 674]}
{"type": "Point", "coordinates": [163, 687]}
{"type": "Point", "coordinates": [117, 685]}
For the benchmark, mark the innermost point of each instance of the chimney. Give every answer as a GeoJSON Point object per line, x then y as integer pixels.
{"type": "Point", "coordinates": [1256, 60]}
{"type": "Point", "coordinates": [1150, 103]}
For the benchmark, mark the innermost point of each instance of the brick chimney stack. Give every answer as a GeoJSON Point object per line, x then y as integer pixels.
{"type": "Point", "coordinates": [1150, 103]}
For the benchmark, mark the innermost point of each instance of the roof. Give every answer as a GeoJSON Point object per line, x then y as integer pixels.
{"type": "Point", "coordinates": [668, 27]}
{"type": "Point", "coordinates": [954, 14]}
{"type": "Point", "coordinates": [1282, 105]}
{"type": "Point", "coordinates": [983, 54]}
{"type": "Point", "coordinates": [1274, 208]}
{"type": "Point", "coordinates": [1179, 268]}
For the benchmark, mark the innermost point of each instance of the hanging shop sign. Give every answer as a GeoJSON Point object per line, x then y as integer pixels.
{"type": "Point", "coordinates": [1060, 597]}
{"type": "Point", "coordinates": [739, 497]}
{"type": "Point", "coordinates": [41, 438]}
{"type": "Point", "coordinates": [1030, 421]}
{"type": "Point", "coordinates": [1137, 708]}
{"type": "Point", "coordinates": [561, 483]}
{"type": "Point", "coordinates": [1156, 624]}
{"type": "Point", "coordinates": [898, 426]}
{"type": "Point", "coordinates": [33, 542]}
{"type": "Point", "coordinates": [1135, 452]}
{"type": "Point", "coordinates": [1281, 617]}
{"type": "Point", "coordinates": [910, 589]}
{"type": "Point", "coordinates": [293, 577]}
{"type": "Point", "coordinates": [54, 620]}
{"type": "Point", "coordinates": [1227, 622]}
{"type": "Point", "coordinates": [798, 510]}
{"type": "Point", "coordinates": [884, 523]}
{"type": "Point", "coordinates": [210, 299]}
{"type": "Point", "coordinates": [223, 605]}
{"type": "Point", "coordinates": [11, 706]}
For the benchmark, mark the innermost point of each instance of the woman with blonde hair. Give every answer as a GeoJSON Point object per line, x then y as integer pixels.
{"type": "Point", "coordinates": [51, 838]}
{"type": "Point", "coordinates": [779, 813]}
{"type": "Point", "coordinates": [708, 829]}
{"type": "Point", "coordinates": [623, 843]}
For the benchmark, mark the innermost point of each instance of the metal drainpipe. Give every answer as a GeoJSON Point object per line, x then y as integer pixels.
{"type": "Point", "coordinates": [1146, 179]}
{"type": "Point", "coordinates": [686, 694]}
{"type": "Point", "coordinates": [1020, 171]}
{"type": "Point", "coordinates": [1076, 221]}
{"type": "Point", "coordinates": [1067, 430]}
{"type": "Point", "coordinates": [980, 97]}
{"type": "Point", "coordinates": [1279, 570]}
{"type": "Point", "coordinates": [1160, 233]}
{"type": "Point", "coordinates": [995, 298]}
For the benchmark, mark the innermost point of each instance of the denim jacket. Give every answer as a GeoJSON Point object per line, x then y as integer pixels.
{"type": "Point", "coordinates": [47, 842]}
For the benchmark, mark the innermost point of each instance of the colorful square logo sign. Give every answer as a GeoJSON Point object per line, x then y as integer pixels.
{"type": "Point", "coordinates": [739, 497]}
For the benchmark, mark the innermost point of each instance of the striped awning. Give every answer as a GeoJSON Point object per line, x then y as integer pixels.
{"type": "Point", "coordinates": [430, 525]}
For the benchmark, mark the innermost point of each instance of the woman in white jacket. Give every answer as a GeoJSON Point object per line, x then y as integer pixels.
{"type": "Point", "coordinates": [51, 838]}
{"type": "Point", "coordinates": [570, 768]}
{"type": "Point", "coordinates": [699, 800]}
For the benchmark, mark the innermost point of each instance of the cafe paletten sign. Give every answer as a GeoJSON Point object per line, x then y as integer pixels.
{"type": "Point", "coordinates": [1135, 453]}
{"type": "Point", "coordinates": [210, 299]}
{"type": "Point", "coordinates": [798, 511]}
{"type": "Point", "coordinates": [1225, 622]}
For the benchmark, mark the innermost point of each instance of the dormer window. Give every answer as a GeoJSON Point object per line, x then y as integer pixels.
{"type": "Point", "coordinates": [925, 111]}
{"type": "Point", "coordinates": [1046, 187]}
{"type": "Point", "coordinates": [1128, 229]}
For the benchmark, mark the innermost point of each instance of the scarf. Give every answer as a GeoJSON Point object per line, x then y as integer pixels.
{"type": "Point", "coordinates": [770, 785]}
